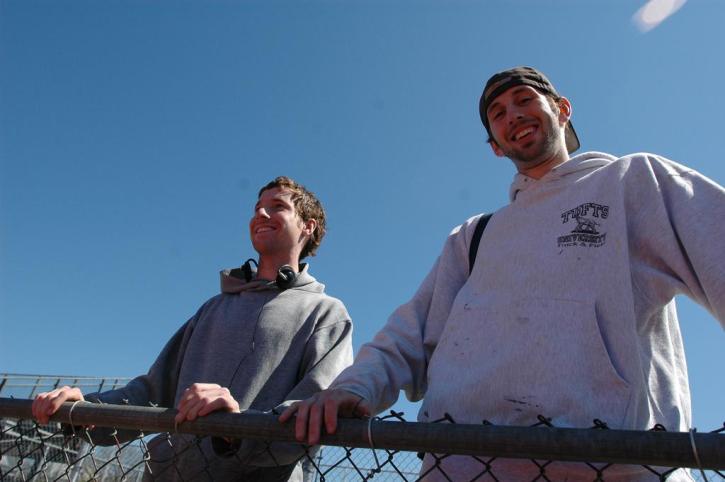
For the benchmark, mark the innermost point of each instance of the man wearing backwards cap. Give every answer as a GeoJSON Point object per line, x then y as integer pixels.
{"type": "Point", "coordinates": [568, 310]}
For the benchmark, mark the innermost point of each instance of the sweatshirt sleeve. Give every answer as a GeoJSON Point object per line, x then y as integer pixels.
{"type": "Point", "coordinates": [676, 223]}
{"type": "Point", "coordinates": [397, 358]}
{"type": "Point", "coordinates": [327, 352]}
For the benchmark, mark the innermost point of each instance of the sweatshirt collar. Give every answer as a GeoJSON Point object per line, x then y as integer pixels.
{"type": "Point", "coordinates": [581, 162]}
{"type": "Point", "coordinates": [304, 281]}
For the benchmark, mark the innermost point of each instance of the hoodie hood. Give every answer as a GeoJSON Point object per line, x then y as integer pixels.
{"type": "Point", "coordinates": [233, 283]}
{"type": "Point", "coordinates": [583, 162]}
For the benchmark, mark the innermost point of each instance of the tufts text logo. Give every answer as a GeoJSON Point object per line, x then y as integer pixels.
{"type": "Point", "coordinates": [586, 220]}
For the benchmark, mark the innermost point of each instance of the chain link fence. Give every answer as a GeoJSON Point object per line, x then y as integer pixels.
{"type": "Point", "coordinates": [87, 441]}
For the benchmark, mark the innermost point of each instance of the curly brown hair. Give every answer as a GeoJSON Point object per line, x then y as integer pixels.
{"type": "Point", "coordinates": [307, 206]}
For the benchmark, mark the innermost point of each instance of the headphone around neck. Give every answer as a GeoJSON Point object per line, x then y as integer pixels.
{"type": "Point", "coordinates": [286, 275]}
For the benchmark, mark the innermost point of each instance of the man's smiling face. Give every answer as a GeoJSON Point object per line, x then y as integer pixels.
{"type": "Point", "coordinates": [276, 228]}
{"type": "Point", "coordinates": [525, 127]}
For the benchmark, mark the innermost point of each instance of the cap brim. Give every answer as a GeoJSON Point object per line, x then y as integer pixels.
{"type": "Point", "coordinates": [572, 140]}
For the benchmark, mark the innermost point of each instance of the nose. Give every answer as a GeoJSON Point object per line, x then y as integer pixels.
{"type": "Point", "coordinates": [514, 115]}
{"type": "Point", "coordinates": [260, 212]}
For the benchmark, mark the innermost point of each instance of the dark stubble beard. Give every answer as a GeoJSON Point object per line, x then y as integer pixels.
{"type": "Point", "coordinates": [545, 150]}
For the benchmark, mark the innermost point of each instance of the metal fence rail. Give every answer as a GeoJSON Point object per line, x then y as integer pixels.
{"type": "Point", "coordinates": [65, 450]}
{"type": "Point", "coordinates": [24, 442]}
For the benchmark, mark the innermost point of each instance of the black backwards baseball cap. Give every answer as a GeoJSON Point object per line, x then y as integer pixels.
{"type": "Point", "coordinates": [502, 81]}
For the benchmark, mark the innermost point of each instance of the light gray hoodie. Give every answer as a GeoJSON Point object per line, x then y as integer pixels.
{"type": "Point", "coordinates": [266, 346]}
{"type": "Point", "coordinates": [568, 312]}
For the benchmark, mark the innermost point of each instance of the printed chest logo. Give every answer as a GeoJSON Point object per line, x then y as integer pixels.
{"type": "Point", "coordinates": [586, 219]}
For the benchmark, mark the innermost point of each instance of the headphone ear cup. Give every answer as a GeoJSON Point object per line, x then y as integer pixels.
{"type": "Point", "coordinates": [286, 277]}
{"type": "Point", "coordinates": [247, 270]}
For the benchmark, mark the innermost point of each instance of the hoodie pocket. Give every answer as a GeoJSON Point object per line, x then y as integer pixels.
{"type": "Point", "coordinates": [521, 358]}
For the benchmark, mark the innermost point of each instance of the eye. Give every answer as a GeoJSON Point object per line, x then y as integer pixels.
{"type": "Point", "coordinates": [278, 206]}
{"type": "Point", "coordinates": [497, 115]}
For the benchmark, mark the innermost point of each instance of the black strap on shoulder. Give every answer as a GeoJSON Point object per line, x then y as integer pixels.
{"type": "Point", "coordinates": [476, 240]}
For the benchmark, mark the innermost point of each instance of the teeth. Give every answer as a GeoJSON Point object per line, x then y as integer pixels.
{"type": "Point", "coordinates": [523, 133]}
{"type": "Point", "coordinates": [263, 229]}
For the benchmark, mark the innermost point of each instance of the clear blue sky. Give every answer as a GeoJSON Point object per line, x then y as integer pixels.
{"type": "Point", "coordinates": [134, 136]}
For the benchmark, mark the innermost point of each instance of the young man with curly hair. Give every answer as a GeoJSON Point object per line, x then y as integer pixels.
{"type": "Point", "coordinates": [271, 335]}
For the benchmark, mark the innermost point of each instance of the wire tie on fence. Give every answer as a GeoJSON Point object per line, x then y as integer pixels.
{"type": "Point", "coordinates": [370, 441]}
{"type": "Point", "coordinates": [370, 432]}
{"type": "Point", "coordinates": [694, 452]}
{"type": "Point", "coordinates": [70, 416]}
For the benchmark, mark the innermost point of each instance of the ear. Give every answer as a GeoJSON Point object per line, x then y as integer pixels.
{"type": "Point", "coordinates": [309, 227]}
{"type": "Point", "coordinates": [496, 149]}
{"type": "Point", "coordinates": [565, 110]}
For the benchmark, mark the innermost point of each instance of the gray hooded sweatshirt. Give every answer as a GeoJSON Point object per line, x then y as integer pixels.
{"type": "Point", "coordinates": [266, 346]}
{"type": "Point", "coordinates": [568, 312]}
